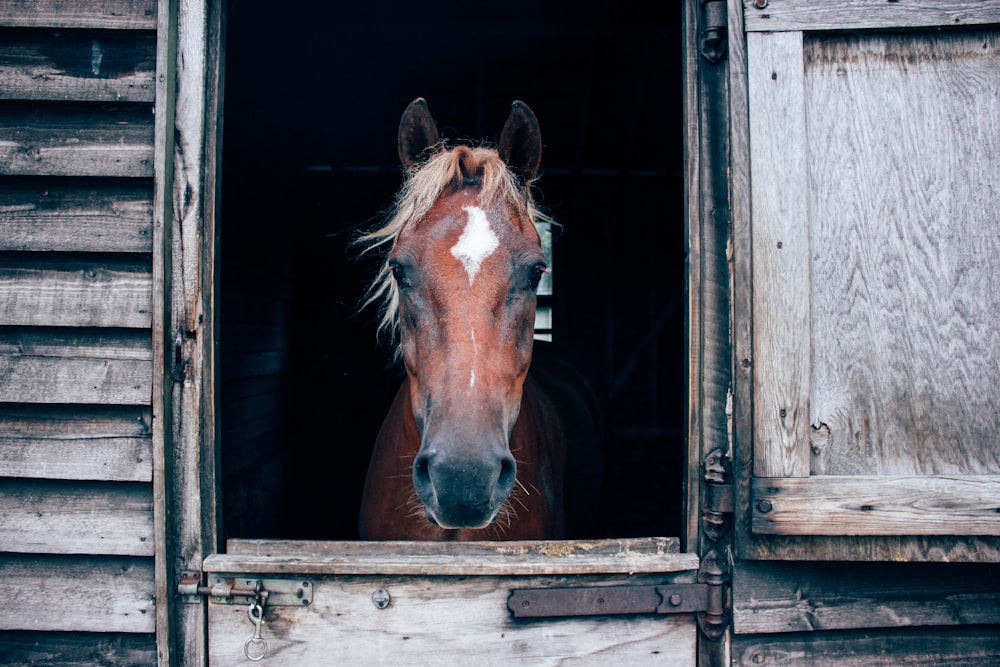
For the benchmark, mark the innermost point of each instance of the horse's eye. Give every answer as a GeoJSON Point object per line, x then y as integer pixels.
{"type": "Point", "coordinates": [399, 273]}
{"type": "Point", "coordinates": [535, 276]}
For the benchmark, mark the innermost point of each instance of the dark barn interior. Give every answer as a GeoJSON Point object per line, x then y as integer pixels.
{"type": "Point", "coordinates": [313, 95]}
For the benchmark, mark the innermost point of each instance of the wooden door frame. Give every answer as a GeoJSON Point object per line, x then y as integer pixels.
{"type": "Point", "coordinates": [190, 41]}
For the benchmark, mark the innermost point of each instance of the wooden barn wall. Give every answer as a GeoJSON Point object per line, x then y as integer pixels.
{"type": "Point", "coordinates": [76, 311]}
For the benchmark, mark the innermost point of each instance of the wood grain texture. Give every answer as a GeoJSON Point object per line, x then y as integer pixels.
{"type": "Point", "coordinates": [117, 14]}
{"type": "Point", "coordinates": [924, 647]}
{"type": "Point", "coordinates": [79, 294]}
{"type": "Point", "coordinates": [58, 517]}
{"type": "Point", "coordinates": [56, 140]}
{"type": "Point", "coordinates": [455, 620]}
{"type": "Point", "coordinates": [78, 215]}
{"type": "Point", "coordinates": [904, 157]}
{"type": "Point", "coordinates": [72, 649]}
{"type": "Point", "coordinates": [859, 14]}
{"type": "Point", "coordinates": [74, 593]}
{"type": "Point", "coordinates": [780, 254]}
{"type": "Point", "coordinates": [91, 66]}
{"type": "Point", "coordinates": [80, 366]}
{"type": "Point", "coordinates": [841, 505]}
{"type": "Point", "coordinates": [79, 442]}
{"type": "Point", "coordinates": [659, 554]}
{"type": "Point", "coordinates": [812, 597]}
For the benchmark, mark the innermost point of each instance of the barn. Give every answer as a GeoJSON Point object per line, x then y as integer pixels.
{"type": "Point", "coordinates": [778, 258]}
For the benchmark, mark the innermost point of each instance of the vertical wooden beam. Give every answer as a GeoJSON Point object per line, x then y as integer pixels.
{"type": "Point", "coordinates": [163, 149]}
{"type": "Point", "coordinates": [186, 188]}
{"type": "Point", "coordinates": [780, 238]}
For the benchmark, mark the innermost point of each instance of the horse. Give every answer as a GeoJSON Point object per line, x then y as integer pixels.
{"type": "Point", "coordinates": [474, 447]}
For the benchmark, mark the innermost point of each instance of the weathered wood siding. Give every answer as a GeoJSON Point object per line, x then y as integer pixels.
{"type": "Point", "coordinates": [76, 311]}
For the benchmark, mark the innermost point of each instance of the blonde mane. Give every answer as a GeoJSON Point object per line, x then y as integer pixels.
{"type": "Point", "coordinates": [446, 169]}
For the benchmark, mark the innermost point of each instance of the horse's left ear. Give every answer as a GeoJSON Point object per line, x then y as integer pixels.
{"type": "Point", "coordinates": [521, 141]}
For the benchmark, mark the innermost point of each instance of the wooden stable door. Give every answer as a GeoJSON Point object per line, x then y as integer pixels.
{"type": "Point", "coordinates": [476, 603]}
{"type": "Point", "coordinates": [870, 270]}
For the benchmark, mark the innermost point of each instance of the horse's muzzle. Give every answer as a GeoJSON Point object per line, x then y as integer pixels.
{"type": "Point", "coordinates": [462, 491]}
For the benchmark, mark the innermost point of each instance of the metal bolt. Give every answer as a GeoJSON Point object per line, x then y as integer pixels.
{"type": "Point", "coordinates": [675, 600]}
{"type": "Point", "coordinates": [380, 598]}
{"type": "Point", "coordinates": [765, 506]}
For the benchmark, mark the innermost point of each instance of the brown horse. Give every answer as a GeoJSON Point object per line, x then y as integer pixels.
{"type": "Point", "coordinates": [473, 447]}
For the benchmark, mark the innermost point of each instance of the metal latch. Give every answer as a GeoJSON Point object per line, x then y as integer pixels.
{"type": "Point", "coordinates": [600, 600]}
{"type": "Point", "coordinates": [709, 599]}
{"type": "Point", "coordinates": [242, 591]}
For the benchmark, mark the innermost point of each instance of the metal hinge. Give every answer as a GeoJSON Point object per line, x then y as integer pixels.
{"type": "Point", "coordinates": [708, 599]}
{"type": "Point", "coordinates": [713, 35]}
{"type": "Point", "coordinates": [719, 504]}
{"type": "Point", "coordinates": [243, 591]}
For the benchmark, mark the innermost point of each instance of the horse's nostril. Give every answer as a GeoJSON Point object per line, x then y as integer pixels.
{"type": "Point", "coordinates": [508, 472]}
{"type": "Point", "coordinates": [421, 473]}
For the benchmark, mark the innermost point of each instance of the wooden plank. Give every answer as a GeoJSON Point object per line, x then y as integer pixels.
{"type": "Point", "coordinates": [82, 443]}
{"type": "Point", "coordinates": [76, 593]}
{"type": "Point", "coordinates": [906, 288]}
{"type": "Point", "coordinates": [661, 554]}
{"type": "Point", "coordinates": [841, 505]}
{"type": "Point", "coordinates": [57, 517]}
{"type": "Point", "coordinates": [464, 618]}
{"type": "Point", "coordinates": [117, 14]}
{"type": "Point", "coordinates": [76, 140]}
{"type": "Point", "coordinates": [76, 649]}
{"type": "Point", "coordinates": [38, 366]}
{"type": "Point", "coordinates": [952, 647]}
{"type": "Point", "coordinates": [169, 620]}
{"type": "Point", "coordinates": [781, 15]}
{"type": "Point", "coordinates": [780, 255]}
{"type": "Point", "coordinates": [76, 215]}
{"type": "Point", "coordinates": [807, 597]}
{"type": "Point", "coordinates": [99, 294]}
{"type": "Point", "coordinates": [93, 66]}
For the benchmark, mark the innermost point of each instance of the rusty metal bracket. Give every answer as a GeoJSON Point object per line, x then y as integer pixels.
{"type": "Point", "coordinates": [718, 507]}
{"type": "Point", "coordinates": [713, 33]}
{"type": "Point", "coordinates": [607, 600]}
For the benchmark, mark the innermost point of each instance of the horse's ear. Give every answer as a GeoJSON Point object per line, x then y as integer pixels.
{"type": "Point", "coordinates": [521, 141]}
{"type": "Point", "coordinates": [417, 132]}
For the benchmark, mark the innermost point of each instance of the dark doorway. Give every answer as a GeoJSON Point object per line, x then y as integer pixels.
{"type": "Point", "coordinates": [313, 94]}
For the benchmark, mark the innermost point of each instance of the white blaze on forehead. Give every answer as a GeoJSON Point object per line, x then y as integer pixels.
{"type": "Point", "coordinates": [476, 243]}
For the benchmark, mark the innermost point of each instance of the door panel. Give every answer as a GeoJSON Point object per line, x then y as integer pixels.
{"type": "Point", "coordinates": [447, 603]}
{"type": "Point", "coordinates": [875, 271]}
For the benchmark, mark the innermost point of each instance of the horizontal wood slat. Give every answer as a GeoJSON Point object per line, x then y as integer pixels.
{"type": "Point", "coordinates": [112, 14]}
{"type": "Point", "coordinates": [76, 215]}
{"type": "Point", "coordinates": [21, 647]}
{"type": "Point", "coordinates": [85, 296]}
{"type": "Point", "coordinates": [807, 597]}
{"type": "Point", "coordinates": [93, 66]}
{"type": "Point", "coordinates": [59, 366]}
{"type": "Point", "coordinates": [87, 140]}
{"type": "Point", "coordinates": [656, 554]}
{"type": "Point", "coordinates": [841, 505]}
{"type": "Point", "coordinates": [923, 647]}
{"type": "Point", "coordinates": [781, 15]}
{"type": "Point", "coordinates": [79, 442]}
{"type": "Point", "coordinates": [56, 517]}
{"type": "Point", "coordinates": [77, 593]}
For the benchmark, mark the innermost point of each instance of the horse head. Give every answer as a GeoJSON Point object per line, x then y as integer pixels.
{"type": "Point", "coordinates": [460, 283]}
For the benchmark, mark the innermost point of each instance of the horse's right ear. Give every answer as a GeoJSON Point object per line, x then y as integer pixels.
{"type": "Point", "coordinates": [417, 132]}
